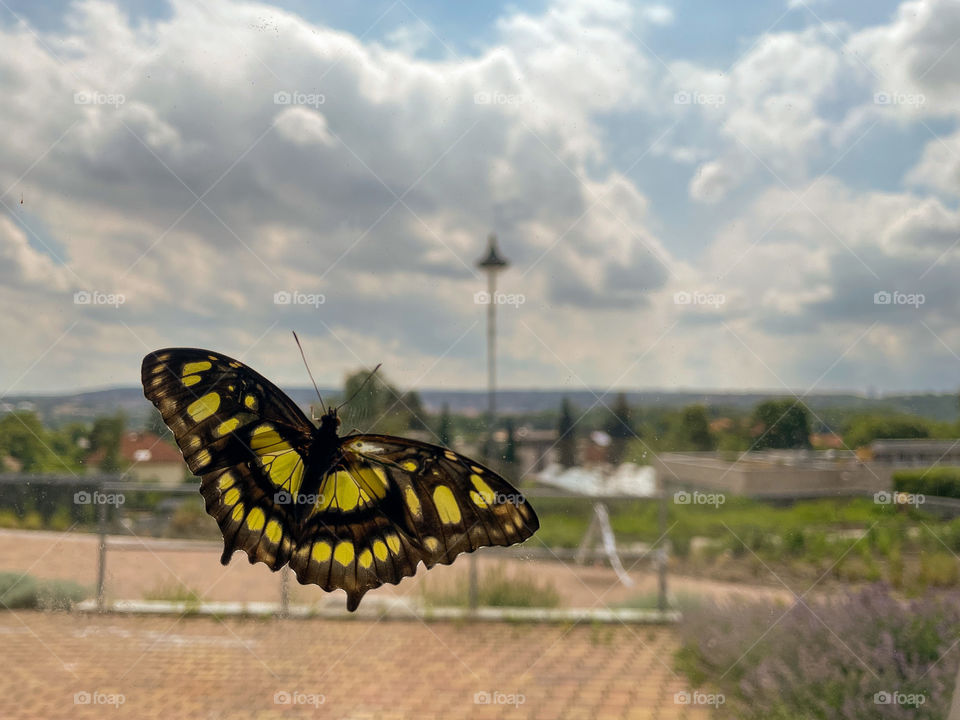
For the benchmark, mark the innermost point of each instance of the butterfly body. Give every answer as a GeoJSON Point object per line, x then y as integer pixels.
{"type": "Point", "coordinates": [350, 512]}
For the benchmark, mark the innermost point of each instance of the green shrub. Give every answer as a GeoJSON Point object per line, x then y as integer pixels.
{"type": "Point", "coordinates": [937, 481]}
{"type": "Point", "coordinates": [18, 590]}
{"type": "Point", "coordinates": [497, 588]}
{"type": "Point", "coordinates": [938, 569]}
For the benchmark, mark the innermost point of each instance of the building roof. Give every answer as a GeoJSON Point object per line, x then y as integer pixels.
{"type": "Point", "coordinates": [142, 448]}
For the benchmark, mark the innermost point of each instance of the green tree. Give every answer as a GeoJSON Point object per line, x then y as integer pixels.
{"type": "Point", "coordinates": [24, 438]}
{"type": "Point", "coordinates": [416, 414]}
{"type": "Point", "coordinates": [373, 404]}
{"type": "Point", "coordinates": [445, 429]}
{"type": "Point", "coordinates": [695, 428]}
{"type": "Point", "coordinates": [566, 435]}
{"type": "Point", "coordinates": [865, 429]}
{"type": "Point", "coordinates": [105, 436]}
{"type": "Point", "coordinates": [620, 428]}
{"type": "Point", "coordinates": [783, 424]}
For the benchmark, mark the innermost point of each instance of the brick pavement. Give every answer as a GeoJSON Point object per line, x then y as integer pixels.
{"type": "Point", "coordinates": [195, 667]}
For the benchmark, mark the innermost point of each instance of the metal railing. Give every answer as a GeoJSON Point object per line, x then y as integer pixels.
{"type": "Point", "coordinates": [114, 536]}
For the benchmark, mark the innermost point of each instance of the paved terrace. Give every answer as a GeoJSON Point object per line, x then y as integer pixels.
{"type": "Point", "coordinates": [60, 665]}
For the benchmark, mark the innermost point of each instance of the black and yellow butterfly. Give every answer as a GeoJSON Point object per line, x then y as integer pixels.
{"type": "Point", "coordinates": [349, 512]}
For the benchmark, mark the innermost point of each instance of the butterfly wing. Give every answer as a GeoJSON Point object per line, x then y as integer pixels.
{"type": "Point", "coordinates": [246, 440]}
{"type": "Point", "coordinates": [389, 503]}
{"type": "Point", "coordinates": [446, 502]}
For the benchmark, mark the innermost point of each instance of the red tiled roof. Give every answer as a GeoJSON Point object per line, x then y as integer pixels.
{"type": "Point", "coordinates": [142, 448]}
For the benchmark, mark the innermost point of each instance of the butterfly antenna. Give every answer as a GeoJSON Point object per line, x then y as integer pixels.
{"type": "Point", "coordinates": [303, 355]}
{"type": "Point", "coordinates": [357, 391]}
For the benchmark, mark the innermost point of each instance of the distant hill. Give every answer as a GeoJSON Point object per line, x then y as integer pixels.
{"type": "Point", "coordinates": [59, 409]}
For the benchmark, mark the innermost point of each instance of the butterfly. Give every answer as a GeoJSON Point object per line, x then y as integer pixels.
{"type": "Point", "coordinates": [350, 512]}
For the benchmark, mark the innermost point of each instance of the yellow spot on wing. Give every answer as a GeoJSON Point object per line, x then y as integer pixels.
{"type": "Point", "coordinates": [227, 426]}
{"type": "Point", "coordinates": [321, 551]}
{"type": "Point", "coordinates": [195, 367]}
{"type": "Point", "coordinates": [394, 542]}
{"type": "Point", "coordinates": [380, 550]}
{"type": "Point", "coordinates": [274, 532]}
{"type": "Point", "coordinates": [344, 552]}
{"type": "Point", "coordinates": [409, 465]}
{"type": "Point", "coordinates": [266, 439]}
{"type": "Point", "coordinates": [191, 380]}
{"type": "Point", "coordinates": [203, 408]}
{"type": "Point", "coordinates": [431, 543]}
{"type": "Point", "coordinates": [372, 480]}
{"type": "Point", "coordinates": [256, 519]}
{"type": "Point", "coordinates": [226, 480]}
{"type": "Point", "coordinates": [413, 502]}
{"type": "Point", "coordinates": [202, 459]}
{"type": "Point", "coordinates": [250, 401]}
{"type": "Point", "coordinates": [478, 499]}
{"type": "Point", "coordinates": [238, 512]}
{"type": "Point", "coordinates": [446, 503]}
{"type": "Point", "coordinates": [478, 471]}
{"type": "Point", "coordinates": [485, 492]}
{"type": "Point", "coordinates": [450, 455]}
{"type": "Point", "coordinates": [365, 559]}
{"type": "Point", "coordinates": [231, 497]}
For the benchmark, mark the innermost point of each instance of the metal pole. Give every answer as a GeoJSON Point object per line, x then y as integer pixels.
{"type": "Point", "coordinates": [101, 551]}
{"type": "Point", "coordinates": [474, 587]}
{"type": "Point", "coordinates": [664, 545]}
{"type": "Point", "coordinates": [285, 591]}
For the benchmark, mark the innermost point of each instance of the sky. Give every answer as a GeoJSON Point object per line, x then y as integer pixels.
{"type": "Point", "coordinates": [723, 196]}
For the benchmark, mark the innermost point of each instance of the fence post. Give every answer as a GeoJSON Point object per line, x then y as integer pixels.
{"type": "Point", "coordinates": [285, 591]}
{"type": "Point", "coordinates": [662, 550]}
{"type": "Point", "coordinates": [474, 591]}
{"type": "Point", "coordinates": [101, 549]}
